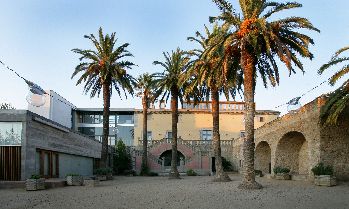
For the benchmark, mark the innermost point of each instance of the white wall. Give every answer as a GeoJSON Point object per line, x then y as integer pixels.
{"type": "Point", "coordinates": [56, 108]}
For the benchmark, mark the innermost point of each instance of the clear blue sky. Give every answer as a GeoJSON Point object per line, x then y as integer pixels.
{"type": "Point", "coordinates": [37, 36]}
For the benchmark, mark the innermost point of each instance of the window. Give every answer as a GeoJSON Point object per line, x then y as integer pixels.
{"type": "Point", "coordinates": [169, 134]}
{"type": "Point", "coordinates": [10, 133]}
{"type": "Point", "coordinates": [206, 135]}
{"type": "Point", "coordinates": [242, 134]}
{"type": "Point", "coordinates": [149, 135]}
{"type": "Point", "coordinates": [261, 119]}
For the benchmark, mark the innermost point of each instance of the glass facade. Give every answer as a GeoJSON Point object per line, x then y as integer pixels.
{"type": "Point", "coordinates": [121, 126]}
{"type": "Point", "coordinates": [10, 133]}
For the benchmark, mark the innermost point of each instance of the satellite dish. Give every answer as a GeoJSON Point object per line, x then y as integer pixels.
{"type": "Point", "coordinates": [293, 105]}
{"type": "Point", "coordinates": [36, 95]}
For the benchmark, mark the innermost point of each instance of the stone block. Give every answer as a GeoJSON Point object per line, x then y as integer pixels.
{"type": "Point", "coordinates": [35, 184]}
{"type": "Point", "coordinates": [75, 180]}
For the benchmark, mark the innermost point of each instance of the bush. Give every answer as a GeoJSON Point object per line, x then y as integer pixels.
{"type": "Point", "coordinates": [321, 169]}
{"type": "Point", "coordinates": [35, 176]}
{"type": "Point", "coordinates": [72, 174]}
{"type": "Point", "coordinates": [122, 158]}
{"type": "Point", "coordinates": [281, 170]}
{"type": "Point", "coordinates": [153, 174]}
{"type": "Point", "coordinates": [145, 171]}
{"type": "Point", "coordinates": [191, 172]}
{"type": "Point", "coordinates": [227, 166]}
{"type": "Point", "coordinates": [103, 171]}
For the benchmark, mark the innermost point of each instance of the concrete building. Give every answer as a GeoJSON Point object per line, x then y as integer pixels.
{"type": "Point", "coordinates": [31, 144]}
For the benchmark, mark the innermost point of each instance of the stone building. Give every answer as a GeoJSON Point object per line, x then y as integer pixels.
{"type": "Point", "coordinates": [297, 141]}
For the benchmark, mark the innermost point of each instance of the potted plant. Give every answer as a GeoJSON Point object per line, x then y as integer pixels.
{"type": "Point", "coordinates": [104, 174]}
{"type": "Point", "coordinates": [282, 173]}
{"type": "Point", "coordinates": [74, 179]}
{"type": "Point", "coordinates": [35, 182]}
{"type": "Point", "coordinates": [323, 175]}
{"type": "Point", "coordinates": [191, 172]}
{"type": "Point", "coordinates": [258, 173]}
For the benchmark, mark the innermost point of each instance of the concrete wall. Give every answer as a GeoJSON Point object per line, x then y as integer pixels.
{"type": "Point", "coordinates": [75, 164]}
{"type": "Point", "coordinates": [76, 149]}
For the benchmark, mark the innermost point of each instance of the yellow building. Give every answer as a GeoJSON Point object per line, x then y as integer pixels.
{"type": "Point", "coordinates": [195, 123]}
{"type": "Point", "coordinates": [194, 133]}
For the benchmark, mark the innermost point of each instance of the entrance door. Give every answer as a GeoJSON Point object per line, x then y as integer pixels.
{"type": "Point", "coordinates": [213, 163]}
{"type": "Point", "coordinates": [49, 164]}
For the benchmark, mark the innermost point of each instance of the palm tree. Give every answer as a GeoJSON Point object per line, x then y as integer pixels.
{"type": "Point", "coordinates": [168, 85]}
{"type": "Point", "coordinates": [338, 100]}
{"type": "Point", "coordinates": [207, 70]}
{"type": "Point", "coordinates": [260, 41]}
{"type": "Point", "coordinates": [145, 86]}
{"type": "Point", "coordinates": [102, 70]}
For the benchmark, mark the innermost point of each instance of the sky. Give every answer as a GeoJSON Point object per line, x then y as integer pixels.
{"type": "Point", "coordinates": [36, 38]}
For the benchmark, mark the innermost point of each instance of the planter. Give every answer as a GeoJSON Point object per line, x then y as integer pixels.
{"type": "Point", "coordinates": [75, 180]}
{"type": "Point", "coordinates": [101, 177]}
{"type": "Point", "coordinates": [325, 180]}
{"type": "Point", "coordinates": [35, 184]}
{"type": "Point", "coordinates": [109, 176]}
{"type": "Point", "coordinates": [91, 182]}
{"type": "Point", "coordinates": [282, 176]}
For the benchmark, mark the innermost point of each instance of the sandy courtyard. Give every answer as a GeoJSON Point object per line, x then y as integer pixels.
{"type": "Point", "coordinates": [189, 192]}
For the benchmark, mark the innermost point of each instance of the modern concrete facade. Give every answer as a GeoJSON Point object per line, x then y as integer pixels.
{"type": "Point", "coordinates": [48, 148]}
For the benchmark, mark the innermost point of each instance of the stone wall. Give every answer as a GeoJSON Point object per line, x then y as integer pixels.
{"type": "Point", "coordinates": [335, 147]}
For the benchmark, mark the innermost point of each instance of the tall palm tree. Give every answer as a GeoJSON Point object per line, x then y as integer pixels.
{"type": "Point", "coordinates": [145, 86]}
{"type": "Point", "coordinates": [103, 69]}
{"type": "Point", "coordinates": [338, 100]}
{"type": "Point", "coordinates": [168, 85]}
{"type": "Point", "coordinates": [260, 41]}
{"type": "Point", "coordinates": [207, 70]}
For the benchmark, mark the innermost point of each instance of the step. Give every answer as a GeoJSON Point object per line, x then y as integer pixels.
{"type": "Point", "coordinates": [299, 177]}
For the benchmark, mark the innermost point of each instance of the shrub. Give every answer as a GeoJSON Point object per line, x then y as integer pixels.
{"type": "Point", "coordinates": [72, 174]}
{"type": "Point", "coordinates": [103, 171]}
{"type": "Point", "coordinates": [122, 158]}
{"type": "Point", "coordinates": [153, 174]}
{"type": "Point", "coordinates": [145, 171]}
{"type": "Point", "coordinates": [191, 172]}
{"type": "Point", "coordinates": [321, 169]}
{"type": "Point", "coordinates": [227, 166]}
{"type": "Point", "coordinates": [258, 173]}
{"type": "Point", "coordinates": [279, 169]}
{"type": "Point", "coordinates": [35, 176]}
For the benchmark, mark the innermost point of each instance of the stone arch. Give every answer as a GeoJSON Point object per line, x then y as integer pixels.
{"type": "Point", "coordinates": [263, 157]}
{"type": "Point", "coordinates": [292, 152]}
{"type": "Point", "coordinates": [167, 157]}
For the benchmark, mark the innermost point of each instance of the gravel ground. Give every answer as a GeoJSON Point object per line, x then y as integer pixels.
{"type": "Point", "coordinates": [188, 192]}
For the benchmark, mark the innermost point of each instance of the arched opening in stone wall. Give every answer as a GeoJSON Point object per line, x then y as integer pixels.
{"type": "Point", "coordinates": [263, 157]}
{"type": "Point", "coordinates": [167, 157]}
{"type": "Point", "coordinates": [292, 152]}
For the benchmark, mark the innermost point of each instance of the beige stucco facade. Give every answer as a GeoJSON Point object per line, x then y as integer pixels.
{"type": "Point", "coordinates": [192, 122]}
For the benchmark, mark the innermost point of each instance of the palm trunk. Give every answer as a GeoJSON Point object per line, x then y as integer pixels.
{"type": "Point", "coordinates": [144, 169]}
{"type": "Point", "coordinates": [106, 106]}
{"type": "Point", "coordinates": [174, 108]}
{"type": "Point", "coordinates": [248, 66]}
{"type": "Point", "coordinates": [220, 176]}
